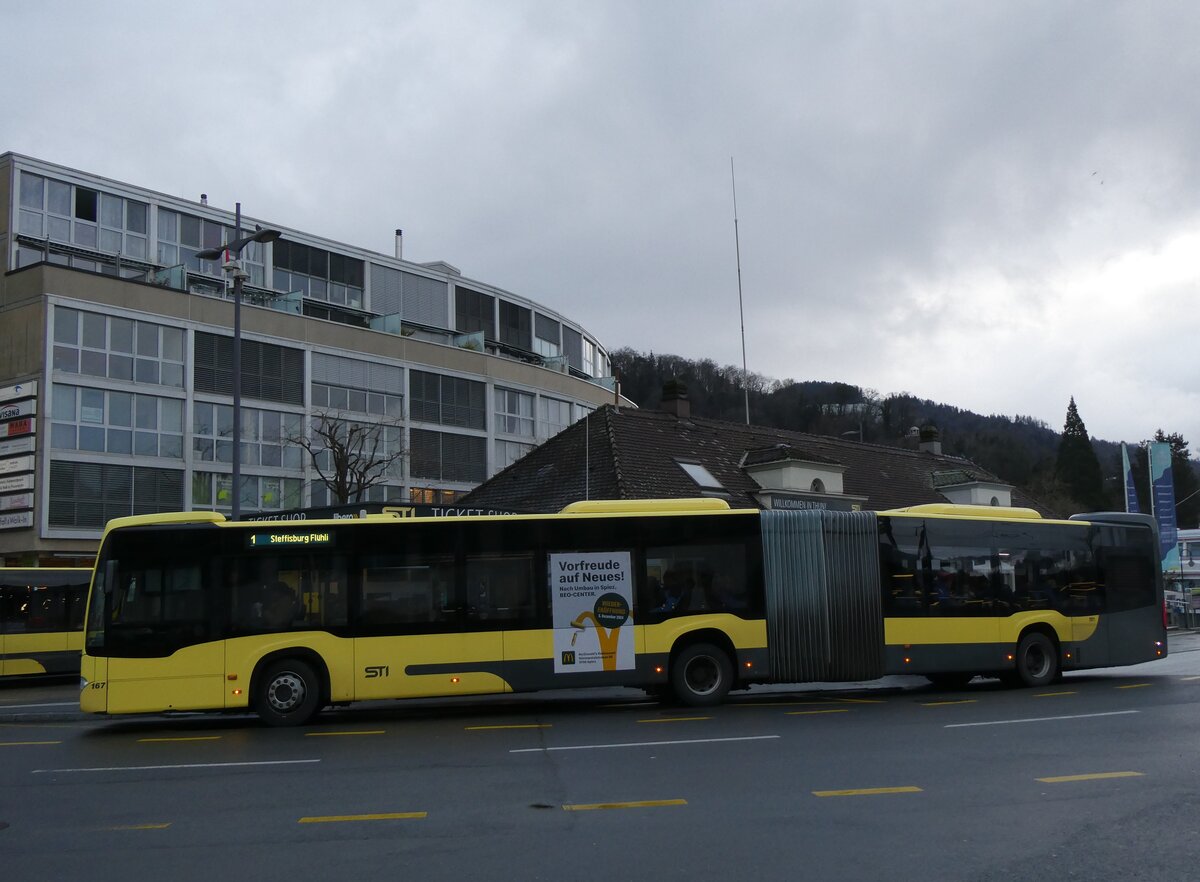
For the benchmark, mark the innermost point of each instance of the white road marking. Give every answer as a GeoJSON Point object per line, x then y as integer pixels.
{"type": "Point", "coordinates": [643, 744]}
{"type": "Point", "coordinates": [1040, 719]}
{"type": "Point", "coordinates": [180, 766]}
{"type": "Point", "coordinates": [7, 707]}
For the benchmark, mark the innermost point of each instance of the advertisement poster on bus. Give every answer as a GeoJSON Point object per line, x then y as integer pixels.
{"type": "Point", "coordinates": [591, 595]}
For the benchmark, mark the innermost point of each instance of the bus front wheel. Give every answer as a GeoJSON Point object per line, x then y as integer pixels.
{"type": "Point", "coordinates": [1037, 659]}
{"type": "Point", "coordinates": [701, 675]}
{"type": "Point", "coordinates": [288, 693]}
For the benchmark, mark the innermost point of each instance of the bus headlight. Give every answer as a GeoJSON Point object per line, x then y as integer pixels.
{"type": "Point", "coordinates": [83, 683]}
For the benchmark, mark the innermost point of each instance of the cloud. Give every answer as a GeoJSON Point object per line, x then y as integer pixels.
{"type": "Point", "coordinates": [987, 204]}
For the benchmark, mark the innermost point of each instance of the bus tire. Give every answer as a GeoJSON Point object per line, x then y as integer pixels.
{"type": "Point", "coordinates": [701, 675]}
{"type": "Point", "coordinates": [289, 693]}
{"type": "Point", "coordinates": [1037, 660]}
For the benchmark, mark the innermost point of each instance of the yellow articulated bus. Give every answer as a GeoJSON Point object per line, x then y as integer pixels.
{"type": "Point", "coordinates": [41, 619]}
{"type": "Point", "coordinates": [683, 598]}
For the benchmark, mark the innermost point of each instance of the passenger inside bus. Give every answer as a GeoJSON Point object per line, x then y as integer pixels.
{"type": "Point", "coordinates": [280, 608]}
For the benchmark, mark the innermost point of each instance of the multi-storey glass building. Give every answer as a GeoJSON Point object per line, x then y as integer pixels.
{"type": "Point", "coordinates": [116, 373]}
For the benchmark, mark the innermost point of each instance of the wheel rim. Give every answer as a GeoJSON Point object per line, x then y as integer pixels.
{"type": "Point", "coordinates": [1037, 661]}
{"type": "Point", "coordinates": [286, 692]}
{"type": "Point", "coordinates": [702, 675]}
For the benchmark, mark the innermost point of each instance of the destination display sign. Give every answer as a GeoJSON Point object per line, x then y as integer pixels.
{"type": "Point", "coordinates": [289, 538]}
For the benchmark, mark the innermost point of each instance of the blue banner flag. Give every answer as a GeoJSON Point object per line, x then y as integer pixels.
{"type": "Point", "coordinates": [1131, 500]}
{"type": "Point", "coordinates": [1162, 496]}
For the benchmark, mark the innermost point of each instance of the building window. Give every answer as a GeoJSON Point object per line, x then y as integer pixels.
{"type": "Point", "coordinates": [346, 384]}
{"type": "Point", "coordinates": [417, 299]}
{"type": "Point", "coordinates": [384, 493]}
{"type": "Point", "coordinates": [269, 372]}
{"type": "Point", "coordinates": [442, 456]}
{"type": "Point", "coordinates": [515, 326]}
{"type": "Point", "coordinates": [514, 412]}
{"type": "Point", "coordinates": [86, 495]}
{"type": "Point", "coordinates": [377, 447]}
{"type": "Point", "coordinates": [117, 348]}
{"type": "Point", "coordinates": [817, 486]}
{"type": "Point", "coordinates": [213, 491]}
{"type": "Point", "coordinates": [109, 421]}
{"type": "Point", "coordinates": [433, 496]}
{"type": "Point", "coordinates": [702, 476]}
{"type": "Point", "coordinates": [547, 336]}
{"type": "Point", "coordinates": [319, 274]}
{"type": "Point", "coordinates": [508, 452]}
{"type": "Point", "coordinates": [448, 401]}
{"type": "Point", "coordinates": [553, 416]}
{"type": "Point", "coordinates": [573, 347]}
{"type": "Point", "coordinates": [84, 217]}
{"type": "Point", "coordinates": [266, 436]}
{"type": "Point", "coordinates": [473, 312]}
{"type": "Point", "coordinates": [182, 236]}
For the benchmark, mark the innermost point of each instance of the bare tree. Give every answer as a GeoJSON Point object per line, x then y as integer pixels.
{"type": "Point", "coordinates": [351, 456]}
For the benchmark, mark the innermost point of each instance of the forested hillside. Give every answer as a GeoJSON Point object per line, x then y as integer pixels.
{"type": "Point", "coordinates": [1020, 449]}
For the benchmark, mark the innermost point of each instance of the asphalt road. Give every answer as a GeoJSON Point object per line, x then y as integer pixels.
{"type": "Point", "coordinates": [1093, 778]}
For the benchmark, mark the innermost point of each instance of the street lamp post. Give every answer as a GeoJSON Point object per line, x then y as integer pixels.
{"type": "Point", "coordinates": [233, 266]}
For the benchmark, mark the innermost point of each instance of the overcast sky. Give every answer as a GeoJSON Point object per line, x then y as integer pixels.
{"type": "Point", "coordinates": [993, 205]}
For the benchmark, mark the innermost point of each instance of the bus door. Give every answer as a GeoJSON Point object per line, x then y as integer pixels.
{"type": "Point", "coordinates": [420, 632]}
{"type": "Point", "coordinates": [1133, 617]}
{"type": "Point", "coordinates": [160, 636]}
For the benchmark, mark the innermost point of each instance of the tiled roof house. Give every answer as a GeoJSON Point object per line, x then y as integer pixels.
{"type": "Point", "coordinates": [628, 453]}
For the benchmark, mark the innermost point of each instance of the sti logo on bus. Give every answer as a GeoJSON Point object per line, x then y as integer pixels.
{"type": "Point", "coordinates": [280, 538]}
{"type": "Point", "coordinates": [373, 671]}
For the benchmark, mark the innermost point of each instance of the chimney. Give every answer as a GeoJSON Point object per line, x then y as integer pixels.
{"type": "Point", "coordinates": [675, 399]}
{"type": "Point", "coordinates": [931, 440]}
{"type": "Point", "coordinates": [399, 244]}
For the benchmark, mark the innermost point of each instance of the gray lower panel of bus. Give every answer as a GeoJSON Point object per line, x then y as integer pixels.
{"type": "Point", "coordinates": [530, 675]}
{"type": "Point", "coordinates": [54, 661]}
{"type": "Point", "coordinates": [824, 616]}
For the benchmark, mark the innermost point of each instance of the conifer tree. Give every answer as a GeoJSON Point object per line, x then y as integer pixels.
{"type": "Point", "coordinates": [1078, 467]}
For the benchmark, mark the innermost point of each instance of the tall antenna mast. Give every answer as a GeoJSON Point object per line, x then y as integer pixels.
{"type": "Point", "coordinates": [741, 313]}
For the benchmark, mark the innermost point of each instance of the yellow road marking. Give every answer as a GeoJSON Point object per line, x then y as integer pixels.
{"type": "Point", "coordinates": [779, 703]}
{"type": "Point", "coordinates": [513, 726]}
{"type": "Point", "coordinates": [1062, 779]}
{"type": "Point", "coordinates": [1134, 686]}
{"type": "Point", "coordinates": [863, 700]}
{"type": "Point", "coordinates": [389, 816]}
{"type": "Point", "coordinates": [1053, 694]}
{"type": "Point", "coordinates": [954, 701]}
{"type": "Point", "coordinates": [357, 732]}
{"type": "Point", "coordinates": [183, 738]}
{"type": "Point", "coordinates": [674, 719]}
{"type": "Point", "coordinates": [828, 710]}
{"type": "Point", "coordinates": [141, 827]}
{"type": "Point", "coordinates": [25, 743]}
{"type": "Point", "coordinates": [870, 791]}
{"type": "Point", "coordinates": [651, 803]}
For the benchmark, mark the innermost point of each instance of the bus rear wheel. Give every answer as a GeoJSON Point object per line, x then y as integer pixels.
{"type": "Point", "coordinates": [1037, 660]}
{"type": "Point", "coordinates": [702, 675]}
{"type": "Point", "coordinates": [288, 693]}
